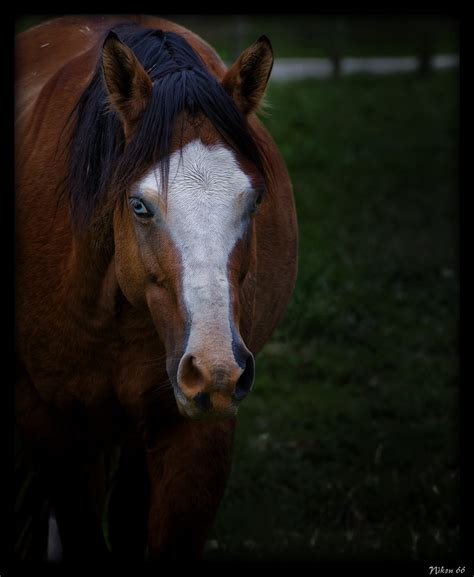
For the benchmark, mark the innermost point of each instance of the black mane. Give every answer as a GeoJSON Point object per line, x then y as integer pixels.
{"type": "Point", "coordinates": [98, 158]}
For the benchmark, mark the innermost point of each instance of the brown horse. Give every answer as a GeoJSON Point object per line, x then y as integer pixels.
{"type": "Point", "coordinates": [156, 253]}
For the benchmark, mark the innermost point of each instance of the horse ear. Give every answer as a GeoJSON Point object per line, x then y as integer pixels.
{"type": "Point", "coordinates": [247, 78]}
{"type": "Point", "coordinates": [128, 85]}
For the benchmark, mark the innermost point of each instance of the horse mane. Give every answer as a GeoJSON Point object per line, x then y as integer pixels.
{"type": "Point", "coordinates": [99, 161]}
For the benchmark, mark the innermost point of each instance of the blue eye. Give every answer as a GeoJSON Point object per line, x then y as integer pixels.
{"type": "Point", "coordinates": [139, 208]}
{"type": "Point", "coordinates": [256, 202]}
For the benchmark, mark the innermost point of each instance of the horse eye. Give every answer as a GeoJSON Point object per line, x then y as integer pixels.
{"type": "Point", "coordinates": [256, 202]}
{"type": "Point", "coordinates": [139, 208]}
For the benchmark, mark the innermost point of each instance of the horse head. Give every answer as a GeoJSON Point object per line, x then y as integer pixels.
{"type": "Point", "coordinates": [185, 235]}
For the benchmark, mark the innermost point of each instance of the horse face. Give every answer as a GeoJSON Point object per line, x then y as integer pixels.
{"type": "Point", "coordinates": [186, 254]}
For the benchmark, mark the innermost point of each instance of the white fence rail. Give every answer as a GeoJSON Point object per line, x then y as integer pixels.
{"type": "Point", "coordinates": [296, 68]}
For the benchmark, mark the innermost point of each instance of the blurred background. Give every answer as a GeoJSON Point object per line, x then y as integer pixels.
{"type": "Point", "coordinates": [348, 447]}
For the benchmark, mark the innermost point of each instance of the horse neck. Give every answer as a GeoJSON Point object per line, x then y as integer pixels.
{"type": "Point", "coordinates": [91, 284]}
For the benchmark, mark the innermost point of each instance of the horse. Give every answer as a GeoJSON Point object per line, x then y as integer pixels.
{"type": "Point", "coordinates": [156, 253]}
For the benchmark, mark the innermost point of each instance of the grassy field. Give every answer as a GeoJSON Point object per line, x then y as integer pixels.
{"type": "Point", "coordinates": [348, 446]}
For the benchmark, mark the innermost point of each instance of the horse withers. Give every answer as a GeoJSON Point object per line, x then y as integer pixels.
{"type": "Point", "coordinates": [156, 253]}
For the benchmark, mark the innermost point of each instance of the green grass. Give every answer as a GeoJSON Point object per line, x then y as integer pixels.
{"type": "Point", "coordinates": [348, 446]}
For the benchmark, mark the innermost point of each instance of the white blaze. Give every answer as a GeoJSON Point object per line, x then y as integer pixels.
{"type": "Point", "coordinates": [206, 203]}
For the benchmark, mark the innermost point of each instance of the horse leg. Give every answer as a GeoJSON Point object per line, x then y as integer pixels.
{"type": "Point", "coordinates": [72, 480]}
{"type": "Point", "coordinates": [128, 504]}
{"type": "Point", "coordinates": [188, 471]}
{"type": "Point", "coordinates": [31, 507]}
{"type": "Point", "coordinates": [76, 484]}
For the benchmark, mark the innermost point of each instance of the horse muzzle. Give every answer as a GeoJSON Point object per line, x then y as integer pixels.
{"type": "Point", "coordinates": [213, 389]}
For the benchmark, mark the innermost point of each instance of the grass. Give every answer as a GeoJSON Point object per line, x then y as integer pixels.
{"type": "Point", "coordinates": [348, 446]}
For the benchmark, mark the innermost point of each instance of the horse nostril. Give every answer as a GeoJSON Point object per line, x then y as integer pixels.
{"type": "Point", "coordinates": [202, 401]}
{"type": "Point", "coordinates": [190, 375]}
{"type": "Point", "coordinates": [245, 382]}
